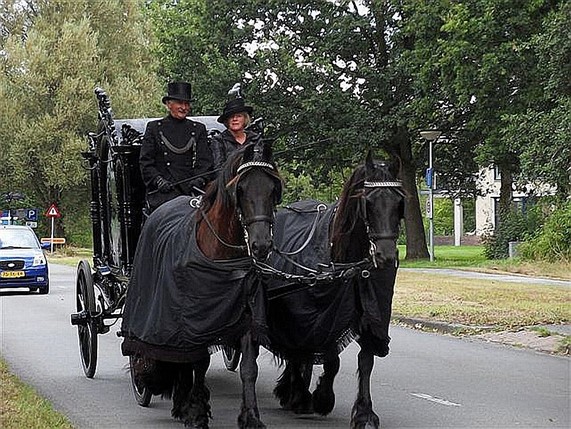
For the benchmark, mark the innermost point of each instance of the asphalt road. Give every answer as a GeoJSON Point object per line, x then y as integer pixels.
{"type": "Point", "coordinates": [427, 381]}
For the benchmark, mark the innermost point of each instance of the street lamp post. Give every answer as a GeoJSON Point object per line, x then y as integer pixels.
{"type": "Point", "coordinates": [431, 136]}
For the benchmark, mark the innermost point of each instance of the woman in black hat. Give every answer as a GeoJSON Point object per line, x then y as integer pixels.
{"type": "Point", "coordinates": [174, 149]}
{"type": "Point", "coordinates": [236, 116]}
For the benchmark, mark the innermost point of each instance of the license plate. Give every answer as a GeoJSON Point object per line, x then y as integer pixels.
{"type": "Point", "coordinates": [12, 274]}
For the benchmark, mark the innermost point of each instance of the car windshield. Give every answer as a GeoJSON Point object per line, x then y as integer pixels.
{"type": "Point", "coordinates": [17, 239]}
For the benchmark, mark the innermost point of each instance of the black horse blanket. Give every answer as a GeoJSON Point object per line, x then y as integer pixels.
{"type": "Point", "coordinates": [314, 320]}
{"type": "Point", "coordinates": [180, 305]}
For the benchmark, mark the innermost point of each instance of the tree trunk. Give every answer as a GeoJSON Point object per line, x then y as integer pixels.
{"type": "Point", "coordinates": [506, 181]}
{"type": "Point", "coordinates": [416, 247]}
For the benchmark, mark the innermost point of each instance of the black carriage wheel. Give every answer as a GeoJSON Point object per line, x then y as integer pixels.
{"type": "Point", "coordinates": [143, 395]}
{"type": "Point", "coordinates": [86, 332]}
{"type": "Point", "coordinates": [231, 357]}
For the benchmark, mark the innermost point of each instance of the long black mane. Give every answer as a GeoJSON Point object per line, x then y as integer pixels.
{"type": "Point", "coordinates": [218, 188]}
{"type": "Point", "coordinates": [347, 219]}
{"type": "Point", "coordinates": [223, 187]}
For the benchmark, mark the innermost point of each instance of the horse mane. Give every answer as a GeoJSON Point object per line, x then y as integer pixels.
{"type": "Point", "coordinates": [218, 189]}
{"type": "Point", "coordinates": [346, 217]}
{"type": "Point", "coordinates": [221, 189]}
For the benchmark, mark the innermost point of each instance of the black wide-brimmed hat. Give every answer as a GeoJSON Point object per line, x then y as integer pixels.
{"type": "Point", "coordinates": [178, 91]}
{"type": "Point", "coordinates": [237, 105]}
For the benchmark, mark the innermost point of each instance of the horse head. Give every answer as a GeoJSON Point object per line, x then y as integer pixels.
{"type": "Point", "coordinates": [258, 190]}
{"type": "Point", "coordinates": [382, 205]}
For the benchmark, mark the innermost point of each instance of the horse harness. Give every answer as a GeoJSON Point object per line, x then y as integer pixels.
{"type": "Point", "coordinates": [247, 166]}
{"type": "Point", "coordinates": [333, 271]}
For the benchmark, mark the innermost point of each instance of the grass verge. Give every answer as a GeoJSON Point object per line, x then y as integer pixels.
{"type": "Point", "coordinates": [21, 407]}
{"type": "Point", "coordinates": [472, 258]}
{"type": "Point", "coordinates": [476, 302]}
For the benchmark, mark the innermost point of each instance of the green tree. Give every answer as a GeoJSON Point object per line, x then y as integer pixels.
{"type": "Point", "coordinates": [325, 76]}
{"type": "Point", "coordinates": [335, 78]}
{"type": "Point", "coordinates": [542, 132]}
{"type": "Point", "coordinates": [48, 71]}
{"type": "Point", "coordinates": [488, 72]}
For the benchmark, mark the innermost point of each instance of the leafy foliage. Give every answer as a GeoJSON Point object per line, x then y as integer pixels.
{"type": "Point", "coordinates": [553, 241]}
{"type": "Point", "coordinates": [511, 228]}
{"type": "Point", "coordinates": [542, 131]}
{"type": "Point", "coordinates": [48, 70]}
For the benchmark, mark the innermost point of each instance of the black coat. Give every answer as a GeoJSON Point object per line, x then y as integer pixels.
{"type": "Point", "coordinates": [224, 144]}
{"type": "Point", "coordinates": [184, 154]}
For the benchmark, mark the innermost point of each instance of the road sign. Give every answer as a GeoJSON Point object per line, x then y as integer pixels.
{"type": "Point", "coordinates": [53, 211]}
{"type": "Point", "coordinates": [428, 177]}
{"type": "Point", "coordinates": [32, 215]}
{"type": "Point", "coordinates": [31, 224]}
{"type": "Point", "coordinates": [55, 240]}
{"type": "Point", "coordinates": [428, 209]}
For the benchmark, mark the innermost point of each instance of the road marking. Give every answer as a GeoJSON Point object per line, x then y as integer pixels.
{"type": "Point", "coordinates": [437, 400]}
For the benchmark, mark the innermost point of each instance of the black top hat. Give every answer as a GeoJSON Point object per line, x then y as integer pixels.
{"type": "Point", "coordinates": [237, 105]}
{"type": "Point", "coordinates": [178, 91]}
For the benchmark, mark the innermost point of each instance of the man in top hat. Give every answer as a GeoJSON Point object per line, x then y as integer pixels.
{"type": "Point", "coordinates": [236, 116]}
{"type": "Point", "coordinates": [174, 150]}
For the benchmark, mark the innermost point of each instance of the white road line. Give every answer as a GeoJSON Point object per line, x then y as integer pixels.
{"type": "Point", "coordinates": [437, 400]}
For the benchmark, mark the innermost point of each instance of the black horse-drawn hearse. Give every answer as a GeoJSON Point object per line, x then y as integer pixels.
{"type": "Point", "coordinates": [117, 210]}
{"type": "Point", "coordinates": [224, 271]}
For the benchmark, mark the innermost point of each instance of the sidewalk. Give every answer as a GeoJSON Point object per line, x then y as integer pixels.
{"type": "Point", "coordinates": [513, 278]}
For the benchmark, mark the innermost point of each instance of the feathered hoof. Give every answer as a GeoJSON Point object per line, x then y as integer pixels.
{"type": "Point", "coordinates": [363, 417]}
{"type": "Point", "coordinates": [250, 419]}
{"type": "Point", "coordinates": [302, 404]}
{"type": "Point", "coordinates": [199, 423]}
{"type": "Point", "coordinates": [196, 411]}
{"type": "Point", "coordinates": [323, 399]}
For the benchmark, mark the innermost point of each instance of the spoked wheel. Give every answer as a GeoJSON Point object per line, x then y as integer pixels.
{"type": "Point", "coordinates": [143, 395]}
{"type": "Point", "coordinates": [231, 357]}
{"type": "Point", "coordinates": [87, 328]}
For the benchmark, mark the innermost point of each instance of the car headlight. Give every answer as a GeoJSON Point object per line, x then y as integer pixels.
{"type": "Point", "coordinates": [39, 260]}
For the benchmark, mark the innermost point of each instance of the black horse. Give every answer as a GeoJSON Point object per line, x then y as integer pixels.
{"type": "Point", "coordinates": [192, 289]}
{"type": "Point", "coordinates": [332, 282]}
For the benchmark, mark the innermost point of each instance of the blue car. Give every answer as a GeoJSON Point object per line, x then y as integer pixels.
{"type": "Point", "coordinates": [22, 260]}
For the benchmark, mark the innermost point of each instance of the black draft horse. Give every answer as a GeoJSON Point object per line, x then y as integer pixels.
{"type": "Point", "coordinates": [192, 289]}
{"type": "Point", "coordinates": [337, 299]}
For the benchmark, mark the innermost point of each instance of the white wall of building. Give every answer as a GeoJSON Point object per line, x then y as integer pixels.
{"type": "Point", "coordinates": [489, 182]}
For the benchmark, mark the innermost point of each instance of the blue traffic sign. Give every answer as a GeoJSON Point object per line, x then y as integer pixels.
{"type": "Point", "coordinates": [32, 215]}
{"type": "Point", "coordinates": [428, 177]}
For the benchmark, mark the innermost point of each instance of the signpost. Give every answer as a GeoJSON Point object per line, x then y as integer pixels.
{"type": "Point", "coordinates": [52, 213]}
{"type": "Point", "coordinates": [431, 136]}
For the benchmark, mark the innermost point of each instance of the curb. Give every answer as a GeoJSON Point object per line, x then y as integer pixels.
{"type": "Point", "coordinates": [442, 327]}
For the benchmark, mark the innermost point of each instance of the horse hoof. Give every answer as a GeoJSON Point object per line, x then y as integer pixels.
{"type": "Point", "coordinates": [323, 399]}
{"type": "Point", "coordinates": [249, 419]}
{"type": "Point", "coordinates": [370, 421]}
{"type": "Point", "coordinates": [196, 424]}
{"type": "Point", "coordinates": [303, 408]}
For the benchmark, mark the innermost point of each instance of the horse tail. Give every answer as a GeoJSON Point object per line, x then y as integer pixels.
{"type": "Point", "coordinates": [157, 376]}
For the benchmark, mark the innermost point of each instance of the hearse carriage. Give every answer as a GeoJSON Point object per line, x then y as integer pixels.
{"type": "Point", "coordinates": [117, 210]}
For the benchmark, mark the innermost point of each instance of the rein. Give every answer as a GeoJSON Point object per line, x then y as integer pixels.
{"type": "Point", "coordinates": [220, 240]}
{"type": "Point", "coordinates": [335, 271]}
{"type": "Point", "coordinates": [339, 271]}
{"type": "Point", "coordinates": [244, 222]}
{"type": "Point", "coordinates": [318, 210]}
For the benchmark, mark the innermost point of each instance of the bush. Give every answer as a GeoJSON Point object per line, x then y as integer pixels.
{"type": "Point", "coordinates": [552, 242]}
{"type": "Point", "coordinates": [512, 227]}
